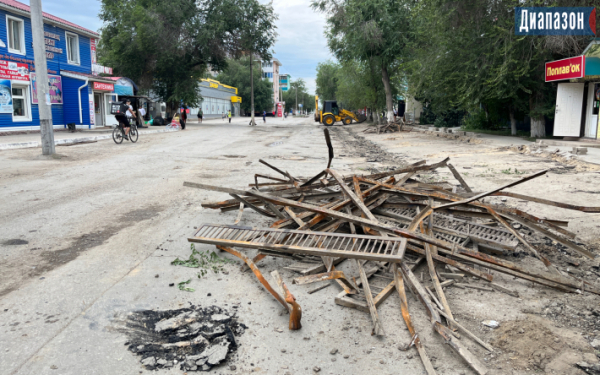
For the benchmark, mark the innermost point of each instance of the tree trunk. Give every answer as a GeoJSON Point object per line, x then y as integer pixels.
{"type": "Point", "coordinates": [251, 90]}
{"type": "Point", "coordinates": [538, 122]}
{"type": "Point", "coordinates": [389, 101]}
{"type": "Point", "coordinates": [513, 121]}
{"type": "Point", "coordinates": [538, 127]}
{"type": "Point", "coordinates": [377, 119]}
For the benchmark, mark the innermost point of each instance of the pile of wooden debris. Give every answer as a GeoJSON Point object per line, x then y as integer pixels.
{"type": "Point", "coordinates": [387, 224]}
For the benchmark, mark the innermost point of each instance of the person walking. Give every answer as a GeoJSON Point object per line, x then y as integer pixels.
{"type": "Point", "coordinates": [229, 116]}
{"type": "Point", "coordinates": [183, 118]}
{"type": "Point", "coordinates": [200, 115]}
{"type": "Point", "coordinates": [223, 116]}
{"type": "Point", "coordinates": [265, 117]}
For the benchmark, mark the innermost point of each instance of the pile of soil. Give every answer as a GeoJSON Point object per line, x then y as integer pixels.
{"type": "Point", "coordinates": [533, 344]}
{"type": "Point", "coordinates": [194, 338]}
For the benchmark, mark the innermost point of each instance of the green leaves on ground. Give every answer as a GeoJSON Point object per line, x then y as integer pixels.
{"type": "Point", "coordinates": [205, 261]}
{"type": "Point", "coordinates": [182, 286]}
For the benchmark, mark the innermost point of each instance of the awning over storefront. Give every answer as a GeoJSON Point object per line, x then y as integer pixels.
{"type": "Point", "coordinates": [85, 77]}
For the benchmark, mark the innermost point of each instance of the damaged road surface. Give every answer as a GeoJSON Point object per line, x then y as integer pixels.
{"type": "Point", "coordinates": [193, 339]}
{"type": "Point", "coordinates": [302, 258]}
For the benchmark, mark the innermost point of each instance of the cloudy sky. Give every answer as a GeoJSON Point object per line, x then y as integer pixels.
{"type": "Point", "coordinates": [300, 45]}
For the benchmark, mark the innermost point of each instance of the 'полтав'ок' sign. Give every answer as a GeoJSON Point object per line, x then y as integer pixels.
{"type": "Point", "coordinates": [570, 68]}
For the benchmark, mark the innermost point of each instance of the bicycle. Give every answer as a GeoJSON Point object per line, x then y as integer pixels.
{"type": "Point", "coordinates": [119, 133]}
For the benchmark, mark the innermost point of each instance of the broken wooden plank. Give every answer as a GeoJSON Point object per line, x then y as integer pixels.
{"type": "Point", "coordinates": [214, 188]}
{"type": "Point", "coordinates": [255, 208]}
{"type": "Point", "coordinates": [321, 287]}
{"type": "Point", "coordinates": [239, 217]}
{"type": "Point", "coordinates": [399, 281]}
{"type": "Point", "coordinates": [377, 326]}
{"type": "Point", "coordinates": [487, 193]}
{"type": "Point", "coordinates": [457, 175]}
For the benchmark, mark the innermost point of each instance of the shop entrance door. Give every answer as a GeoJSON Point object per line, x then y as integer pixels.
{"type": "Point", "coordinates": [99, 109]}
{"type": "Point", "coordinates": [569, 104]}
{"type": "Point", "coordinates": [110, 120]}
{"type": "Point", "coordinates": [591, 118]}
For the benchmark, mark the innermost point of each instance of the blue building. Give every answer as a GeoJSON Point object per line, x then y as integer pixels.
{"type": "Point", "coordinates": [77, 95]}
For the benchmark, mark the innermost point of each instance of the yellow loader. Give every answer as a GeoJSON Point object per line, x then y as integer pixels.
{"type": "Point", "coordinates": [331, 114]}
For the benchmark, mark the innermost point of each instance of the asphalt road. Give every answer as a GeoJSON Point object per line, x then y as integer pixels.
{"type": "Point", "coordinates": [73, 230]}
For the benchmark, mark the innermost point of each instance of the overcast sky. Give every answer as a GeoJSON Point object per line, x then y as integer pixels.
{"type": "Point", "coordinates": [300, 45]}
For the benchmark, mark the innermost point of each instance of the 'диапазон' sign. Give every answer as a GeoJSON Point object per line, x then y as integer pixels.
{"type": "Point", "coordinates": [555, 21]}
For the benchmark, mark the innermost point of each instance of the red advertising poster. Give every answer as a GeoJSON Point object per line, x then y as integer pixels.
{"type": "Point", "coordinates": [93, 48]}
{"type": "Point", "coordinates": [14, 71]}
{"type": "Point", "coordinates": [104, 86]}
{"type": "Point", "coordinates": [573, 67]}
{"type": "Point", "coordinates": [279, 110]}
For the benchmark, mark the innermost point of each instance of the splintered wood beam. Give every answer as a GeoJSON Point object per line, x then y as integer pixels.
{"type": "Point", "coordinates": [350, 194]}
{"type": "Point", "coordinates": [434, 315]}
{"type": "Point", "coordinates": [457, 175]}
{"type": "Point", "coordinates": [547, 202]}
{"type": "Point", "coordinates": [523, 241]}
{"type": "Point", "coordinates": [551, 235]}
{"type": "Point", "coordinates": [399, 283]}
{"type": "Point", "coordinates": [487, 193]}
{"type": "Point", "coordinates": [214, 188]}
{"type": "Point", "coordinates": [239, 217]}
{"type": "Point", "coordinates": [377, 326]}
{"type": "Point", "coordinates": [255, 208]}
{"type": "Point", "coordinates": [258, 274]}
{"type": "Point", "coordinates": [273, 168]}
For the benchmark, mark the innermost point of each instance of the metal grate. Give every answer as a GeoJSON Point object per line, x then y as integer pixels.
{"type": "Point", "coordinates": [478, 233]}
{"type": "Point", "coordinates": [303, 242]}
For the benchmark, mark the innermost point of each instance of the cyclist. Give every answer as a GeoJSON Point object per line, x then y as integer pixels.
{"type": "Point", "coordinates": [124, 119]}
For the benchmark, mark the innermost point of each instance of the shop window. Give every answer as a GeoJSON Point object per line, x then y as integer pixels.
{"type": "Point", "coordinates": [73, 49]}
{"type": "Point", "coordinates": [16, 35]}
{"type": "Point", "coordinates": [21, 104]}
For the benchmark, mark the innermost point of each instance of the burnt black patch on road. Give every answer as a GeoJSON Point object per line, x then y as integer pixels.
{"type": "Point", "coordinates": [195, 338]}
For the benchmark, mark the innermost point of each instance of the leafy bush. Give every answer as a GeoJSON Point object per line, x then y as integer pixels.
{"type": "Point", "coordinates": [427, 116]}
{"type": "Point", "coordinates": [475, 120]}
{"type": "Point", "coordinates": [440, 122]}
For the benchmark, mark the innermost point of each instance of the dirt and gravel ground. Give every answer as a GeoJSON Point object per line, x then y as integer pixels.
{"type": "Point", "coordinates": [88, 238]}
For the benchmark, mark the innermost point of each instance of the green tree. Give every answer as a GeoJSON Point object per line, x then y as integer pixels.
{"type": "Point", "coordinates": [327, 80]}
{"type": "Point", "coordinates": [297, 94]}
{"type": "Point", "coordinates": [369, 31]}
{"type": "Point", "coordinates": [237, 74]}
{"type": "Point", "coordinates": [166, 46]}
{"type": "Point", "coordinates": [360, 85]}
{"type": "Point", "coordinates": [466, 56]}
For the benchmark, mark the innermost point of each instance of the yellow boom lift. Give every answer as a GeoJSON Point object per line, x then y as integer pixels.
{"type": "Point", "coordinates": [331, 114]}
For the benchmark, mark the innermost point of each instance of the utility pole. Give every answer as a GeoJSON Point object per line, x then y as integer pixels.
{"type": "Point", "coordinates": [252, 123]}
{"type": "Point", "coordinates": [296, 99]}
{"type": "Point", "coordinates": [41, 74]}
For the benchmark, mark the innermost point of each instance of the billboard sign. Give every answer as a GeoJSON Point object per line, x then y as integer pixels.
{"type": "Point", "coordinates": [55, 85]}
{"type": "Point", "coordinates": [571, 68]}
{"type": "Point", "coordinates": [14, 71]}
{"type": "Point", "coordinates": [555, 21]}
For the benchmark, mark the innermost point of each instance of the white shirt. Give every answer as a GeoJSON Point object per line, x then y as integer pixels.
{"type": "Point", "coordinates": [129, 113]}
{"type": "Point", "coordinates": [142, 112]}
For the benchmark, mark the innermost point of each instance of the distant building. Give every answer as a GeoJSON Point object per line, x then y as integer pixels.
{"type": "Point", "coordinates": [270, 70]}
{"type": "Point", "coordinates": [284, 81]}
{"type": "Point", "coordinates": [217, 99]}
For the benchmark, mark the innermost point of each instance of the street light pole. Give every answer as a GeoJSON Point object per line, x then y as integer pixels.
{"type": "Point", "coordinates": [41, 73]}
